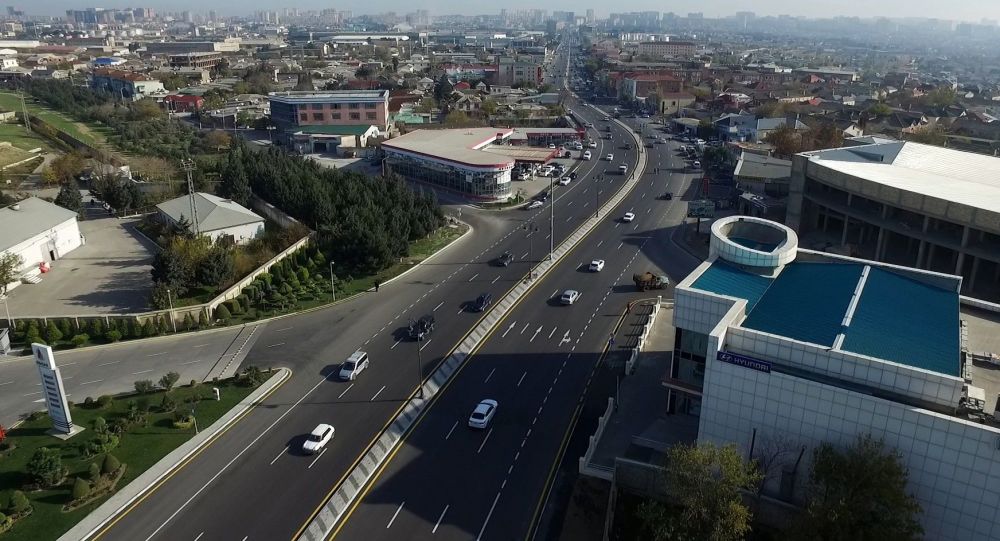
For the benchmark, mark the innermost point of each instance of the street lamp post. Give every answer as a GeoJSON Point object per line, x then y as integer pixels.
{"type": "Point", "coordinates": [597, 198]}
{"type": "Point", "coordinates": [420, 378]}
{"type": "Point", "coordinates": [333, 291]}
{"type": "Point", "coordinates": [171, 303]}
{"type": "Point", "coordinates": [531, 228]}
{"type": "Point", "coordinates": [10, 322]}
{"type": "Point", "coordinates": [552, 220]}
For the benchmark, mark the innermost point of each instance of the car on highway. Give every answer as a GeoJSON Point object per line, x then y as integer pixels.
{"type": "Point", "coordinates": [596, 265]}
{"type": "Point", "coordinates": [610, 157]}
{"type": "Point", "coordinates": [505, 259]}
{"type": "Point", "coordinates": [422, 327]}
{"type": "Point", "coordinates": [534, 204]}
{"type": "Point", "coordinates": [564, 181]}
{"type": "Point", "coordinates": [482, 302]}
{"type": "Point", "coordinates": [628, 217]}
{"type": "Point", "coordinates": [622, 169]}
{"type": "Point", "coordinates": [552, 145]}
{"type": "Point", "coordinates": [353, 366]}
{"type": "Point", "coordinates": [668, 196]}
{"type": "Point", "coordinates": [317, 439]}
{"type": "Point", "coordinates": [592, 144]}
{"type": "Point", "coordinates": [569, 296]}
{"type": "Point", "coordinates": [696, 164]}
{"type": "Point", "coordinates": [586, 155]}
{"type": "Point", "coordinates": [482, 416]}
{"type": "Point", "coordinates": [572, 176]}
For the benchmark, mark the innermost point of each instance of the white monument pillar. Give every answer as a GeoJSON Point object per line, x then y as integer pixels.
{"type": "Point", "coordinates": [54, 392]}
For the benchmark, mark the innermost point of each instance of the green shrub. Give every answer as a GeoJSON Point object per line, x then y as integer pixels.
{"type": "Point", "coordinates": [45, 467]}
{"type": "Point", "coordinates": [222, 313]}
{"type": "Point", "coordinates": [52, 333]}
{"type": "Point", "coordinates": [80, 340]}
{"type": "Point", "coordinates": [18, 503]}
{"type": "Point", "coordinates": [110, 464]}
{"type": "Point", "coordinates": [169, 379]}
{"type": "Point", "coordinates": [101, 444]}
{"type": "Point", "coordinates": [252, 376]}
{"type": "Point", "coordinates": [193, 384]}
{"type": "Point", "coordinates": [100, 425]}
{"type": "Point", "coordinates": [188, 322]}
{"type": "Point", "coordinates": [303, 274]}
{"type": "Point", "coordinates": [94, 472]}
{"type": "Point", "coordinates": [96, 328]}
{"type": "Point", "coordinates": [88, 402]}
{"type": "Point", "coordinates": [244, 302]}
{"type": "Point", "coordinates": [65, 327]}
{"type": "Point", "coordinates": [168, 404]}
{"type": "Point", "coordinates": [148, 329]}
{"type": "Point", "coordinates": [183, 421]}
{"type": "Point", "coordinates": [202, 320]}
{"type": "Point", "coordinates": [144, 386]}
{"type": "Point", "coordinates": [81, 488]}
{"type": "Point", "coordinates": [104, 401]}
{"type": "Point", "coordinates": [3, 520]}
{"type": "Point", "coordinates": [113, 336]}
{"type": "Point", "coordinates": [234, 307]}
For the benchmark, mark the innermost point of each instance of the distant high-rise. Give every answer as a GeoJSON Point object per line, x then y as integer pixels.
{"type": "Point", "coordinates": [590, 16]}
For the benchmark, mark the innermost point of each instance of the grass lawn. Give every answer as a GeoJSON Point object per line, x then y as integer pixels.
{"type": "Point", "coordinates": [140, 448]}
{"type": "Point", "coordinates": [16, 135]}
{"type": "Point", "coordinates": [59, 121]}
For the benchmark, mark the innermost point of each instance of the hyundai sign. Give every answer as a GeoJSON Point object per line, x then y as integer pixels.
{"type": "Point", "coordinates": [52, 388]}
{"type": "Point", "coordinates": [744, 361]}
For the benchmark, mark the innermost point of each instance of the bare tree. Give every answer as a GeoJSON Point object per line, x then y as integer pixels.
{"type": "Point", "coordinates": [771, 455]}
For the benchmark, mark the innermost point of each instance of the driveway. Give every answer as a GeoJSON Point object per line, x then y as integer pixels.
{"type": "Point", "coordinates": [107, 275]}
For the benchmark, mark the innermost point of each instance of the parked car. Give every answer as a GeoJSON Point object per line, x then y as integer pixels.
{"type": "Point", "coordinates": [596, 265]}
{"type": "Point", "coordinates": [482, 416]}
{"type": "Point", "coordinates": [564, 181]}
{"type": "Point", "coordinates": [318, 438]}
{"type": "Point", "coordinates": [353, 366]}
{"type": "Point", "coordinates": [569, 296]}
{"type": "Point", "coordinates": [482, 302]}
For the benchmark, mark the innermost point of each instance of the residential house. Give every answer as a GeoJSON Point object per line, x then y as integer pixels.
{"type": "Point", "coordinates": [747, 127]}
{"type": "Point", "coordinates": [217, 217]}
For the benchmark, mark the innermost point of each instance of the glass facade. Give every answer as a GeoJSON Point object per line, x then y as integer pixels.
{"type": "Point", "coordinates": [487, 184]}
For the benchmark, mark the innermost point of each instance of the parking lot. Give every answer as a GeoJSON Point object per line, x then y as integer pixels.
{"type": "Point", "coordinates": [109, 274]}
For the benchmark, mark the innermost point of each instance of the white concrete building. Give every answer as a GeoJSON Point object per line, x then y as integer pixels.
{"type": "Point", "coordinates": [775, 342]}
{"type": "Point", "coordinates": [39, 232]}
{"type": "Point", "coordinates": [217, 217]}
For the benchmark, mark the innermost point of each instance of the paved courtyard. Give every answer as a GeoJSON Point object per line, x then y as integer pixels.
{"type": "Point", "coordinates": [108, 275]}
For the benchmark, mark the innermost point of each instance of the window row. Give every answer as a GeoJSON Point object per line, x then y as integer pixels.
{"type": "Point", "coordinates": [320, 117]}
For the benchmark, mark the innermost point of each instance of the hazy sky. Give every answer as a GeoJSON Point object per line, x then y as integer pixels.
{"type": "Point", "coordinates": [971, 10]}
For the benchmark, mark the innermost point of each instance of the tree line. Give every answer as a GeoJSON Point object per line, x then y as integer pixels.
{"type": "Point", "coordinates": [362, 223]}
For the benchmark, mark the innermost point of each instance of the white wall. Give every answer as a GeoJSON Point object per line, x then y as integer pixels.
{"type": "Point", "coordinates": [61, 239]}
{"type": "Point", "coordinates": [241, 234]}
{"type": "Point", "coordinates": [954, 465]}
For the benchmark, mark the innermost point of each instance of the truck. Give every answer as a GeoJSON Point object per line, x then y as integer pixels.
{"type": "Point", "coordinates": [647, 280]}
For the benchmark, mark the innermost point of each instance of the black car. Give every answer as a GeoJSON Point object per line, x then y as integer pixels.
{"type": "Point", "coordinates": [572, 176]}
{"type": "Point", "coordinates": [420, 328]}
{"type": "Point", "coordinates": [542, 196]}
{"type": "Point", "coordinates": [668, 196]}
{"type": "Point", "coordinates": [505, 259]}
{"type": "Point", "coordinates": [482, 302]}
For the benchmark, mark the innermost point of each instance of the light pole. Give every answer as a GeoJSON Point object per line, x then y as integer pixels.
{"type": "Point", "coordinates": [171, 303]}
{"type": "Point", "coordinates": [597, 198]}
{"type": "Point", "coordinates": [333, 292]}
{"type": "Point", "coordinates": [552, 220]}
{"type": "Point", "coordinates": [531, 228]}
{"type": "Point", "coordinates": [420, 364]}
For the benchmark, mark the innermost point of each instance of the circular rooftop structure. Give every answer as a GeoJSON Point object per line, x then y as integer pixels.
{"type": "Point", "coordinates": [754, 242]}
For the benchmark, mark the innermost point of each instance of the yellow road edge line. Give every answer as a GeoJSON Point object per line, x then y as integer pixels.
{"type": "Point", "coordinates": [180, 465]}
{"type": "Point", "coordinates": [569, 431]}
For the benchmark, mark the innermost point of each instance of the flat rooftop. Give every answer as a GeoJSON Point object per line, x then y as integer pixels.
{"type": "Point", "coordinates": [942, 173]}
{"type": "Point", "coordinates": [305, 96]}
{"type": "Point", "coordinates": [465, 146]}
{"type": "Point", "coordinates": [895, 317]}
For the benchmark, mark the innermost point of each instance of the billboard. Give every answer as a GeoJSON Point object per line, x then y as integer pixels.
{"type": "Point", "coordinates": [702, 208]}
{"type": "Point", "coordinates": [52, 388]}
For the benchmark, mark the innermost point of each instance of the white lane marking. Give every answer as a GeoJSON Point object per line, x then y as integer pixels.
{"type": "Point", "coordinates": [522, 378]}
{"type": "Point", "coordinates": [276, 345]}
{"type": "Point", "coordinates": [394, 515]}
{"type": "Point", "coordinates": [320, 455]}
{"type": "Point", "coordinates": [481, 445]}
{"type": "Point", "coordinates": [522, 332]}
{"type": "Point", "coordinates": [504, 335]}
{"type": "Point", "coordinates": [234, 459]}
{"type": "Point", "coordinates": [89, 382]}
{"type": "Point", "coordinates": [538, 330]}
{"type": "Point", "coordinates": [345, 391]}
{"type": "Point", "coordinates": [438, 523]}
{"type": "Point", "coordinates": [198, 346]}
{"type": "Point", "coordinates": [106, 364]}
{"type": "Point", "coordinates": [282, 329]}
{"type": "Point", "coordinates": [620, 246]}
{"type": "Point", "coordinates": [600, 243]}
{"type": "Point", "coordinates": [438, 306]}
{"type": "Point", "coordinates": [64, 365]}
{"type": "Point", "coordinates": [245, 537]}
{"type": "Point", "coordinates": [495, 279]}
{"type": "Point", "coordinates": [140, 372]}
{"type": "Point", "coordinates": [553, 332]}
{"type": "Point", "coordinates": [396, 344]}
{"type": "Point", "coordinates": [490, 375]}
{"type": "Point", "coordinates": [32, 394]}
{"type": "Point", "coordinates": [6, 383]}
{"type": "Point", "coordinates": [524, 256]}
{"type": "Point", "coordinates": [474, 277]}
{"type": "Point", "coordinates": [199, 536]}
{"type": "Point", "coordinates": [378, 393]}
{"type": "Point", "coordinates": [192, 362]}
{"type": "Point", "coordinates": [427, 343]}
{"type": "Point", "coordinates": [461, 310]}
{"type": "Point", "coordinates": [554, 293]}
{"type": "Point", "coordinates": [157, 354]}
{"type": "Point", "coordinates": [565, 338]}
{"type": "Point", "coordinates": [281, 454]}
{"type": "Point", "coordinates": [488, 515]}
{"type": "Point", "coordinates": [448, 435]}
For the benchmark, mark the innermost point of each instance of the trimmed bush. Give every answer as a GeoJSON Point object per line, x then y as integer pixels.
{"type": "Point", "coordinates": [149, 329]}
{"type": "Point", "coordinates": [144, 386]}
{"type": "Point", "coordinates": [169, 379]}
{"type": "Point", "coordinates": [94, 472]}
{"type": "Point", "coordinates": [97, 328]}
{"type": "Point", "coordinates": [100, 425]}
{"type": "Point", "coordinates": [168, 404]}
{"type": "Point", "coordinates": [303, 274]}
{"type": "Point", "coordinates": [81, 488]}
{"type": "Point", "coordinates": [18, 503]}
{"type": "Point", "coordinates": [222, 313]}
{"type": "Point", "coordinates": [66, 327]}
{"type": "Point", "coordinates": [202, 320]}
{"type": "Point", "coordinates": [45, 467]}
{"type": "Point", "coordinates": [244, 302]}
{"type": "Point", "coordinates": [110, 464]}
{"type": "Point", "coordinates": [234, 307]}
{"type": "Point", "coordinates": [80, 340]}
{"type": "Point", "coordinates": [52, 333]}
{"type": "Point", "coordinates": [104, 401]}
{"type": "Point", "coordinates": [88, 402]}
{"type": "Point", "coordinates": [113, 336]}
{"type": "Point", "coordinates": [194, 383]}
{"type": "Point", "coordinates": [188, 322]}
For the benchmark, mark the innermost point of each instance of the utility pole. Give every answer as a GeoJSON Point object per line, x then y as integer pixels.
{"type": "Point", "coordinates": [188, 166]}
{"type": "Point", "coordinates": [420, 378]}
{"type": "Point", "coordinates": [552, 220]}
{"type": "Point", "coordinates": [597, 198]}
{"type": "Point", "coordinates": [24, 112]}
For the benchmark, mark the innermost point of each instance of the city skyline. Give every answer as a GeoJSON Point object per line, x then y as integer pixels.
{"type": "Point", "coordinates": [970, 11]}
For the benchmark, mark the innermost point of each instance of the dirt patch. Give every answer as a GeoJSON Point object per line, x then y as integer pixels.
{"type": "Point", "coordinates": [588, 505]}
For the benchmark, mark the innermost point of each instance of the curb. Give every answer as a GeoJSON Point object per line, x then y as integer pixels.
{"type": "Point", "coordinates": [240, 326]}
{"type": "Point", "coordinates": [166, 466]}
{"type": "Point", "coordinates": [342, 499]}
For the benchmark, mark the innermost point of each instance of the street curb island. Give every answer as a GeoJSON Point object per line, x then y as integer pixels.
{"type": "Point", "coordinates": [166, 466]}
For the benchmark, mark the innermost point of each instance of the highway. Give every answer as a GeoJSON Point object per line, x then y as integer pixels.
{"type": "Point", "coordinates": [451, 482]}
{"type": "Point", "coordinates": [253, 483]}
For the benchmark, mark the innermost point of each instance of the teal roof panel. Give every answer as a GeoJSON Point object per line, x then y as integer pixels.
{"type": "Point", "coordinates": [725, 279]}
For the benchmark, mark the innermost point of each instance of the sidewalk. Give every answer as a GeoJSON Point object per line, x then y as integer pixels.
{"type": "Point", "coordinates": [168, 464]}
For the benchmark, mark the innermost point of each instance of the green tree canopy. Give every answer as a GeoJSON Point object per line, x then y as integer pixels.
{"type": "Point", "coordinates": [69, 196]}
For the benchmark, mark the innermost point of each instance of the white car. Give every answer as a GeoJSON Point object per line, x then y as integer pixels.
{"type": "Point", "coordinates": [354, 365]}
{"type": "Point", "coordinates": [524, 176]}
{"type": "Point", "coordinates": [697, 164]}
{"type": "Point", "coordinates": [552, 145]}
{"type": "Point", "coordinates": [483, 414]}
{"type": "Point", "coordinates": [546, 170]}
{"type": "Point", "coordinates": [592, 144]}
{"type": "Point", "coordinates": [564, 181]}
{"type": "Point", "coordinates": [597, 265]}
{"type": "Point", "coordinates": [534, 204]}
{"type": "Point", "coordinates": [569, 296]}
{"type": "Point", "coordinates": [586, 155]}
{"type": "Point", "coordinates": [628, 217]}
{"type": "Point", "coordinates": [317, 439]}
{"type": "Point", "coordinates": [610, 157]}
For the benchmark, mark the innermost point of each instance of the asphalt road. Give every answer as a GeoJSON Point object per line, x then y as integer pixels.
{"type": "Point", "coordinates": [451, 482]}
{"type": "Point", "coordinates": [253, 483]}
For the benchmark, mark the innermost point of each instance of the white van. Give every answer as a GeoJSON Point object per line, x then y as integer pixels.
{"type": "Point", "coordinates": [586, 155]}
{"type": "Point", "coordinates": [622, 169]}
